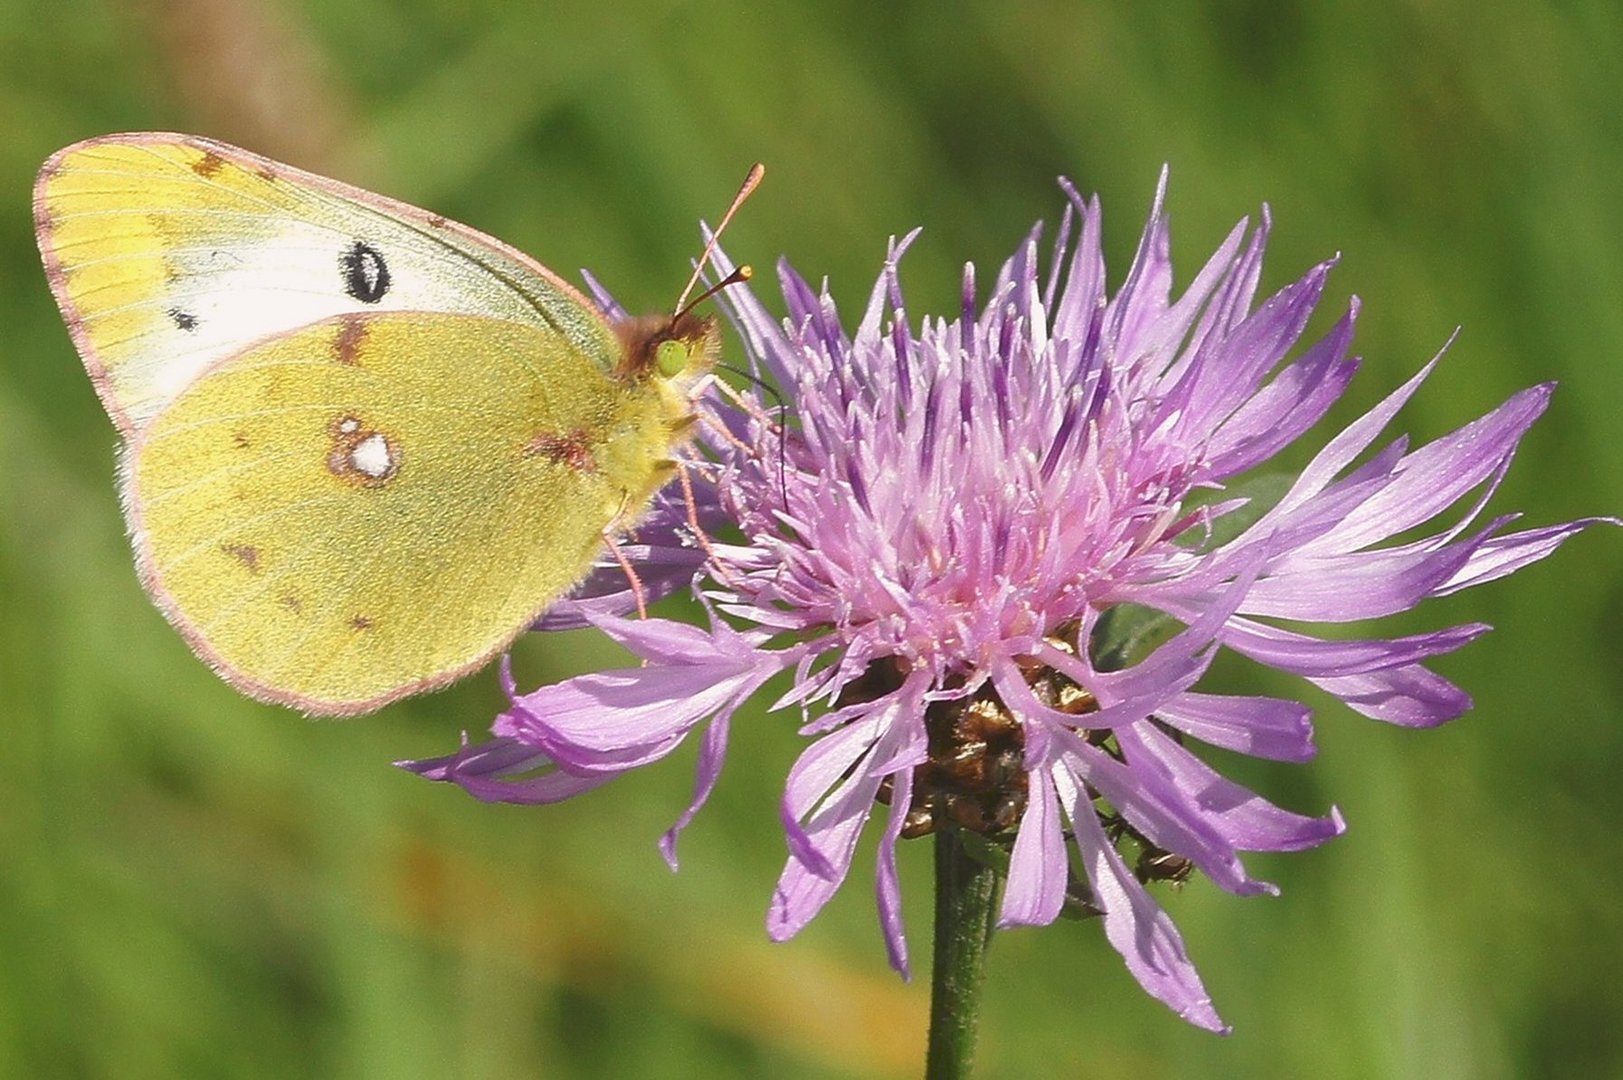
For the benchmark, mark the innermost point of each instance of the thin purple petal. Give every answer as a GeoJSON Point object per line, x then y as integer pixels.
{"type": "Point", "coordinates": [1038, 869]}
{"type": "Point", "coordinates": [1140, 931]}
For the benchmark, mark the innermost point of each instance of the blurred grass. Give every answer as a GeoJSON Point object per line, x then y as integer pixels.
{"type": "Point", "coordinates": [194, 885]}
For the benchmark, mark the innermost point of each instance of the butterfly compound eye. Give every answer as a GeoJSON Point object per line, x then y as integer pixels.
{"type": "Point", "coordinates": [671, 357]}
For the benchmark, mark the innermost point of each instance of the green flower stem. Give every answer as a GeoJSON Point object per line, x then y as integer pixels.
{"type": "Point", "coordinates": [965, 907]}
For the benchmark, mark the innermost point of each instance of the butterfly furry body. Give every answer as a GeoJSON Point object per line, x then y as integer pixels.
{"type": "Point", "coordinates": [364, 446]}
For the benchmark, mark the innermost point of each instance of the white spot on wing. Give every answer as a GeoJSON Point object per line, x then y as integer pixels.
{"type": "Point", "coordinates": [371, 457]}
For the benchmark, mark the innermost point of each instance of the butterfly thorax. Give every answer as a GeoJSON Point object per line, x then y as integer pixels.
{"type": "Point", "coordinates": [662, 358]}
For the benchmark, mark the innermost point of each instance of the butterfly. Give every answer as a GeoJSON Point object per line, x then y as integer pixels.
{"type": "Point", "coordinates": [364, 446]}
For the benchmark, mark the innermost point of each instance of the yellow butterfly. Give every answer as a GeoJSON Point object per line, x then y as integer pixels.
{"type": "Point", "coordinates": [364, 446]}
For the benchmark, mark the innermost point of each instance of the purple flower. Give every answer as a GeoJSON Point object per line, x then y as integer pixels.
{"type": "Point", "coordinates": [998, 550]}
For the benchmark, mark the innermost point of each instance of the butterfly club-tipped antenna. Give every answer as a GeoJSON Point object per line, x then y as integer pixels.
{"type": "Point", "coordinates": [752, 180]}
{"type": "Point", "coordinates": [682, 341]}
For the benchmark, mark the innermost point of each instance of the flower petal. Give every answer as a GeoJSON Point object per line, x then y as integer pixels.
{"type": "Point", "coordinates": [712, 751]}
{"type": "Point", "coordinates": [1363, 584]}
{"type": "Point", "coordinates": [1243, 818]}
{"type": "Point", "coordinates": [1340, 451]}
{"type": "Point", "coordinates": [1259, 726]}
{"type": "Point", "coordinates": [1506, 554]}
{"type": "Point", "coordinates": [818, 770]}
{"type": "Point", "coordinates": [1152, 802]}
{"type": "Point", "coordinates": [1140, 931]}
{"type": "Point", "coordinates": [663, 551]}
{"type": "Point", "coordinates": [1409, 696]}
{"type": "Point", "coordinates": [829, 797]}
{"type": "Point", "coordinates": [486, 770]}
{"type": "Point", "coordinates": [1433, 477]}
{"type": "Point", "coordinates": [886, 886]}
{"type": "Point", "coordinates": [1038, 869]}
{"type": "Point", "coordinates": [1220, 381]}
{"type": "Point", "coordinates": [615, 720]}
{"type": "Point", "coordinates": [1315, 657]}
{"type": "Point", "coordinates": [1293, 401]}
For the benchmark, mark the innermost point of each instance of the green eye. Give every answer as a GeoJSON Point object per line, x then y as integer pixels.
{"type": "Point", "coordinates": [671, 358]}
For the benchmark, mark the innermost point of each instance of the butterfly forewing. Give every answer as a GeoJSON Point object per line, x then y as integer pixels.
{"type": "Point", "coordinates": [169, 253]}
{"type": "Point", "coordinates": [377, 503]}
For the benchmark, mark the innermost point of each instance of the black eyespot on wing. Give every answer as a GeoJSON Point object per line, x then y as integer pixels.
{"type": "Point", "coordinates": [365, 274]}
{"type": "Point", "coordinates": [183, 320]}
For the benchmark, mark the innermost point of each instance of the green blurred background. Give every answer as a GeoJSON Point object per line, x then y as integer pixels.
{"type": "Point", "coordinates": [195, 885]}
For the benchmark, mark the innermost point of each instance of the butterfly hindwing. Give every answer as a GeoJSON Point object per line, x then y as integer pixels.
{"type": "Point", "coordinates": [169, 253]}
{"type": "Point", "coordinates": [377, 503]}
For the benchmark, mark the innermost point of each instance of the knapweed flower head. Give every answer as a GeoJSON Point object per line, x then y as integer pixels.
{"type": "Point", "coordinates": [961, 536]}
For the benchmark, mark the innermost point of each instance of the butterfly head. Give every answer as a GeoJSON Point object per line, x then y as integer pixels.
{"type": "Point", "coordinates": [680, 347]}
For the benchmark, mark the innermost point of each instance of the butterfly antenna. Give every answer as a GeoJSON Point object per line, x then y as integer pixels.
{"type": "Point", "coordinates": [752, 180]}
{"type": "Point", "coordinates": [738, 276]}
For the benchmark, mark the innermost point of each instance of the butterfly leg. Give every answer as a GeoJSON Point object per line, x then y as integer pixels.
{"type": "Point", "coordinates": [632, 579]}
{"type": "Point", "coordinates": [717, 566]}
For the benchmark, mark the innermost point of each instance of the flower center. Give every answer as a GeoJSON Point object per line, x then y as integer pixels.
{"type": "Point", "coordinates": [975, 776]}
